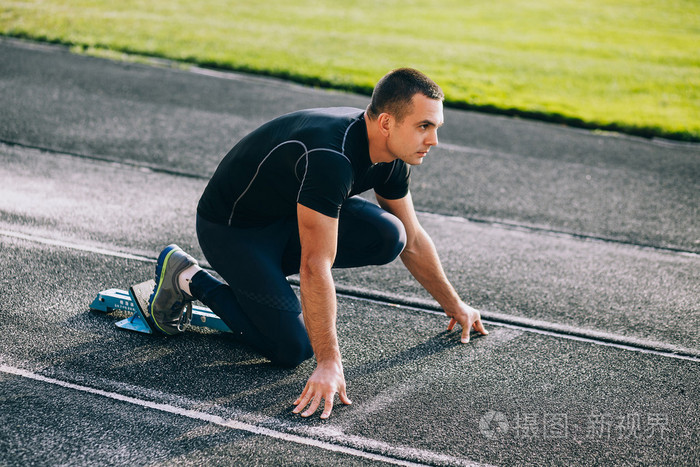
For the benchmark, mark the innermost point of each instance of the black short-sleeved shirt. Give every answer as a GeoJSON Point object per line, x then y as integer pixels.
{"type": "Point", "coordinates": [316, 157]}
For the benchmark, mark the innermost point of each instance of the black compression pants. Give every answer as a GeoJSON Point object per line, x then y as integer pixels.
{"type": "Point", "coordinates": [256, 302]}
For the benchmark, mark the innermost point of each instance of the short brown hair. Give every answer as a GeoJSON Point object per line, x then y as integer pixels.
{"type": "Point", "coordinates": [394, 92]}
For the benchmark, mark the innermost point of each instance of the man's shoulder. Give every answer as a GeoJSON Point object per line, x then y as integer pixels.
{"type": "Point", "coordinates": [329, 112]}
{"type": "Point", "coordinates": [318, 127]}
{"type": "Point", "coordinates": [321, 117]}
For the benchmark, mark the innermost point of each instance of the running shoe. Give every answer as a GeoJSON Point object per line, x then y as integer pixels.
{"type": "Point", "coordinates": [171, 308]}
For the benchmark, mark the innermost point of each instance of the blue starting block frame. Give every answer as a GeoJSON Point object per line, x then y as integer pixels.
{"type": "Point", "coordinates": [111, 300]}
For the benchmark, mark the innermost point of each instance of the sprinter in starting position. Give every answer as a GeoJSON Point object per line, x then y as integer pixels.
{"type": "Point", "coordinates": [283, 201]}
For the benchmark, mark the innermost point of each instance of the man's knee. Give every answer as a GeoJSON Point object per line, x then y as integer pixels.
{"type": "Point", "coordinates": [393, 239]}
{"type": "Point", "coordinates": [292, 342]}
{"type": "Point", "coordinates": [293, 352]}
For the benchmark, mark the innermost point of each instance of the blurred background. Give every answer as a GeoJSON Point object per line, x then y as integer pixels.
{"type": "Point", "coordinates": [624, 65]}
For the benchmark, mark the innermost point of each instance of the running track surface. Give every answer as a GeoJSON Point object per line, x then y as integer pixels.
{"type": "Point", "coordinates": [580, 248]}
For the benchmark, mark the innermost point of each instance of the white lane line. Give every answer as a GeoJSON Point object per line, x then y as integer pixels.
{"type": "Point", "coordinates": [631, 346]}
{"type": "Point", "coordinates": [75, 246]}
{"type": "Point", "coordinates": [500, 224]}
{"type": "Point", "coordinates": [494, 321]}
{"type": "Point", "coordinates": [404, 452]}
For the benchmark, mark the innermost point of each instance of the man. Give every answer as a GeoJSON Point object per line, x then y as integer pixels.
{"type": "Point", "coordinates": [282, 202]}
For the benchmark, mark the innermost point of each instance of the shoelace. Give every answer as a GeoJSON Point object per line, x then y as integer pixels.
{"type": "Point", "coordinates": [186, 317]}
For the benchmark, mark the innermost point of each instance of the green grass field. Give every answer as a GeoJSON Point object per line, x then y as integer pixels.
{"type": "Point", "coordinates": [627, 65]}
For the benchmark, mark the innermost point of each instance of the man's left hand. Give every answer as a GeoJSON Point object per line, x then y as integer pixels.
{"type": "Point", "coordinates": [467, 317]}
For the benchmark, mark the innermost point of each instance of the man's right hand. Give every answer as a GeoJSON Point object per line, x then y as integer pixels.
{"type": "Point", "coordinates": [326, 380]}
{"type": "Point", "coordinates": [318, 235]}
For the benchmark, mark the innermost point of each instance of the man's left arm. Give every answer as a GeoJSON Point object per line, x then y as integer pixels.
{"type": "Point", "coordinates": [421, 259]}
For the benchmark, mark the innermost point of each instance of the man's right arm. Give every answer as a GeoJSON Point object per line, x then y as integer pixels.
{"type": "Point", "coordinates": [318, 234]}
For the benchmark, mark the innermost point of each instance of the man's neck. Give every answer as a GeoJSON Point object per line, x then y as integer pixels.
{"type": "Point", "coordinates": [378, 151]}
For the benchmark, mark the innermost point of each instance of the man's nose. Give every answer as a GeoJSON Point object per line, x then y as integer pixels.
{"type": "Point", "coordinates": [432, 139]}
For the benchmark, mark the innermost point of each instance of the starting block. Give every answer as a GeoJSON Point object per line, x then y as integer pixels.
{"type": "Point", "coordinates": [136, 301]}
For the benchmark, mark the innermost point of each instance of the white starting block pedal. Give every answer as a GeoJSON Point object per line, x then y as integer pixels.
{"type": "Point", "coordinates": [136, 301]}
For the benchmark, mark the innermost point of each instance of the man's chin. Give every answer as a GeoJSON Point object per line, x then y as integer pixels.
{"type": "Point", "coordinates": [413, 159]}
{"type": "Point", "coordinates": [419, 158]}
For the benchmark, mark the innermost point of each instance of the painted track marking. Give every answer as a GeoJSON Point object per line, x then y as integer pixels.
{"type": "Point", "coordinates": [401, 453]}
{"type": "Point", "coordinates": [549, 329]}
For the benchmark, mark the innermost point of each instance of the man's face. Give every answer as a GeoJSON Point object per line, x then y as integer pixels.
{"type": "Point", "coordinates": [411, 139]}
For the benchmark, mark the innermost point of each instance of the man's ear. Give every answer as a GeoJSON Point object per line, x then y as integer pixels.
{"type": "Point", "coordinates": [385, 122]}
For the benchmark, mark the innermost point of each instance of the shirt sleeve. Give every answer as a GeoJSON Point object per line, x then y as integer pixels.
{"type": "Point", "coordinates": [396, 183]}
{"type": "Point", "coordinates": [326, 183]}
